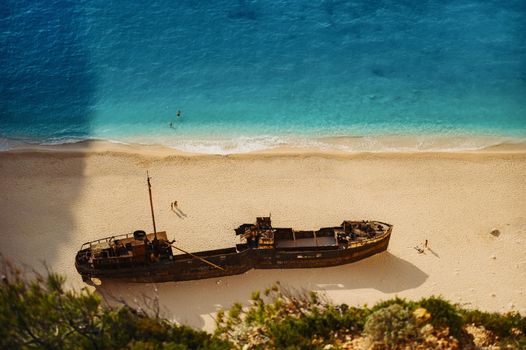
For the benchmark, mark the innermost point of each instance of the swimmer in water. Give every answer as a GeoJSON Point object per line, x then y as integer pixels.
{"type": "Point", "coordinates": [178, 114]}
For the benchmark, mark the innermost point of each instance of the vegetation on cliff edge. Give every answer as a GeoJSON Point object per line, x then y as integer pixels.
{"type": "Point", "coordinates": [39, 313]}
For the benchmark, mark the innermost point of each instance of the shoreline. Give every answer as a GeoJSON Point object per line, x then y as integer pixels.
{"type": "Point", "coordinates": [104, 146]}
{"type": "Point", "coordinates": [342, 144]}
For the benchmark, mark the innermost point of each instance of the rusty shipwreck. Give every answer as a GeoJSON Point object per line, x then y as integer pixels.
{"type": "Point", "coordinates": [142, 257]}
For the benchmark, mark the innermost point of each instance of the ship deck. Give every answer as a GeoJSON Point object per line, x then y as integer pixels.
{"type": "Point", "coordinates": [307, 242]}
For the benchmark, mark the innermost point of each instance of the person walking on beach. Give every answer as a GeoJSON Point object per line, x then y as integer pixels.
{"type": "Point", "coordinates": [175, 204]}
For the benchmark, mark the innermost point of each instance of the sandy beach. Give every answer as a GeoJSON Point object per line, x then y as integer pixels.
{"type": "Point", "coordinates": [54, 199]}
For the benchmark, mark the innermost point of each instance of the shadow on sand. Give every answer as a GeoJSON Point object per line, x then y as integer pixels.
{"type": "Point", "coordinates": [48, 87]}
{"type": "Point", "coordinates": [186, 302]}
{"type": "Point", "coordinates": [181, 214]}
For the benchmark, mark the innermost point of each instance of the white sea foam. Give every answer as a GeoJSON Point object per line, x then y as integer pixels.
{"type": "Point", "coordinates": [395, 143]}
{"type": "Point", "coordinates": [247, 144]}
{"type": "Point", "coordinates": [235, 145]}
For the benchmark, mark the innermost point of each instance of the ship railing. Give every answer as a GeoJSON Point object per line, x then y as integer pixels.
{"type": "Point", "coordinates": [105, 240]}
{"type": "Point", "coordinates": [370, 240]}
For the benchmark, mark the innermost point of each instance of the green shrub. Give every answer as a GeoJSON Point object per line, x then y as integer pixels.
{"type": "Point", "coordinates": [393, 325]}
{"type": "Point", "coordinates": [353, 318]}
{"type": "Point", "coordinates": [443, 314]}
{"type": "Point", "coordinates": [501, 325]}
{"type": "Point", "coordinates": [409, 305]}
{"type": "Point", "coordinates": [38, 313]}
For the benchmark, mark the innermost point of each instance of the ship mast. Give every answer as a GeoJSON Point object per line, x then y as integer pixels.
{"type": "Point", "coordinates": [171, 243]}
{"type": "Point", "coordinates": [151, 205]}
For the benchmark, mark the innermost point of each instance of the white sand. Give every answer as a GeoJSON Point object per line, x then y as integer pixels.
{"type": "Point", "coordinates": [52, 201]}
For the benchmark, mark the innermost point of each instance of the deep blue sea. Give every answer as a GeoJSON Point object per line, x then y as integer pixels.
{"type": "Point", "coordinates": [254, 74]}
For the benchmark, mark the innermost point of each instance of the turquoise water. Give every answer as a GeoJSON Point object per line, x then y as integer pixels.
{"type": "Point", "coordinates": [260, 73]}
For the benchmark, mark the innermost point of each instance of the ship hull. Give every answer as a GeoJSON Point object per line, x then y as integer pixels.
{"type": "Point", "coordinates": [236, 261]}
